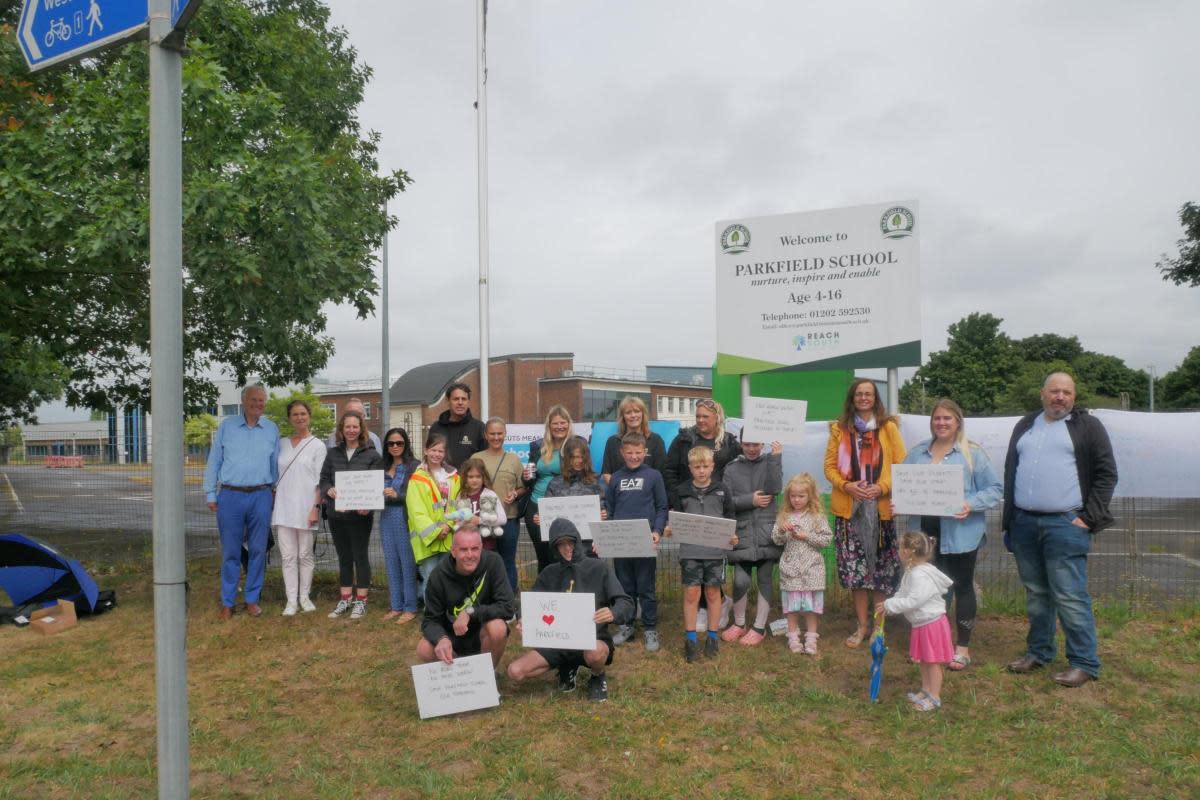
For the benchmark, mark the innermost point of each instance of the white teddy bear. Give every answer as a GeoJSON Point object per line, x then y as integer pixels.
{"type": "Point", "coordinates": [489, 519]}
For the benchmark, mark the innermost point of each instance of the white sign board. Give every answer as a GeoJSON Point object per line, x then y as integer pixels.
{"type": "Point", "coordinates": [701, 530]}
{"type": "Point", "coordinates": [581, 510]}
{"type": "Point", "coordinates": [767, 420]}
{"type": "Point", "coordinates": [623, 538]}
{"type": "Point", "coordinates": [558, 620]}
{"type": "Point", "coordinates": [466, 685]}
{"type": "Point", "coordinates": [934, 490]}
{"type": "Point", "coordinates": [358, 490]}
{"type": "Point", "coordinates": [833, 289]}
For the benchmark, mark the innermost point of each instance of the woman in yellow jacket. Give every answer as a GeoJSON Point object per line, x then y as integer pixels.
{"type": "Point", "coordinates": [432, 490]}
{"type": "Point", "coordinates": [864, 442]}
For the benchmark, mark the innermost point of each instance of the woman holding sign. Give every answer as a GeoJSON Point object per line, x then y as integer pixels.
{"type": "Point", "coordinates": [864, 443]}
{"type": "Point", "coordinates": [351, 530]}
{"type": "Point", "coordinates": [958, 538]}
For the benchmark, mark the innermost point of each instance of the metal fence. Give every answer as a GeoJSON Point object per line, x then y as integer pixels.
{"type": "Point", "coordinates": [101, 513]}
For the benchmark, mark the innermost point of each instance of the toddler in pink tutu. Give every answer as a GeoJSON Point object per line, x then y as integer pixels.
{"type": "Point", "coordinates": [920, 599]}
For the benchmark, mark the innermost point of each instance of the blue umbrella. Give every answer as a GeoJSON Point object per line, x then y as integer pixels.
{"type": "Point", "coordinates": [878, 651]}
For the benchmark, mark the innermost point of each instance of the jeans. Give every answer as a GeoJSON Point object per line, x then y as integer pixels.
{"type": "Point", "coordinates": [243, 517]}
{"type": "Point", "coordinates": [508, 550]}
{"type": "Point", "coordinates": [1051, 555]}
{"type": "Point", "coordinates": [398, 559]}
{"type": "Point", "coordinates": [426, 569]}
{"type": "Point", "coordinates": [637, 579]}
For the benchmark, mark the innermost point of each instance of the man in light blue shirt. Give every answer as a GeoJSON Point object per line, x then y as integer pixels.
{"type": "Point", "coordinates": [238, 478]}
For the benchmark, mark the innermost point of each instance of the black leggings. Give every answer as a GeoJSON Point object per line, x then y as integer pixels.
{"type": "Point", "coordinates": [541, 549]}
{"type": "Point", "coordinates": [960, 568]}
{"type": "Point", "coordinates": [350, 538]}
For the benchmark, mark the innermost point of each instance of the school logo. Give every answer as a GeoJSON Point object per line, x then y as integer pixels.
{"type": "Point", "coordinates": [896, 223]}
{"type": "Point", "coordinates": [799, 341]}
{"type": "Point", "coordinates": [735, 239]}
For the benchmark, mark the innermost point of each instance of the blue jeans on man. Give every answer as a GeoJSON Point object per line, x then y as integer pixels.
{"type": "Point", "coordinates": [243, 517]}
{"type": "Point", "coordinates": [1051, 555]}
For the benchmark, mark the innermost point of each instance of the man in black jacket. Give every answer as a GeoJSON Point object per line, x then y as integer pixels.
{"type": "Point", "coordinates": [468, 603]}
{"type": "Point", "coordinates": [1059, 477]}
{"type": "Point", "coordinates": [572, 571]}
{"type": "Point", "coordinates": [465, 435]}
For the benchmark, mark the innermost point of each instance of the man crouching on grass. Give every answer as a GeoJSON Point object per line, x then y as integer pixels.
{"type": "Point", "coordinates": [573, 572]}
{"type": "Point", "coordinates": [467, 604]}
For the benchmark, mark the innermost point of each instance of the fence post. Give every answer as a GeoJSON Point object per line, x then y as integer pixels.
{"type": "Point", "coordinates": [1129, 510]}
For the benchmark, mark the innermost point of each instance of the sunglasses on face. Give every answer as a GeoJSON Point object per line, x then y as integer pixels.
{"type": "Point", "coordinates": [395, 443]}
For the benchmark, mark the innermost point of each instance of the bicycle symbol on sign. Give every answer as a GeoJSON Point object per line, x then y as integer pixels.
{"type": "Point", "coordinates": [58, 30]}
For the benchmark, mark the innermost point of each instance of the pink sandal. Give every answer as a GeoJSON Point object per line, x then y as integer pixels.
{"type": "Point", "coordinates": [751, 638]}
{"type": "Point", "coordinates": [732, 633]}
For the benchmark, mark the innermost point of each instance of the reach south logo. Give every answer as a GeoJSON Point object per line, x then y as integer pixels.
{"type": "Point", "coordinates": [819, 339]}
{"type": "Point", "coordinates": [735, 239]}
{"type": "Point", "coordinates": [798, 341]}
{"type": "Point", "coordinates": [896, 223]}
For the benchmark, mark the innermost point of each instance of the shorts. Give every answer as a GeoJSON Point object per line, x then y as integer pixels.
{"type": "Point", "coordinates": [702, 571]}
{"type": "Point", "coordinates": [469, 643]}
{"type": "Point", "coordinates": [571, 659]}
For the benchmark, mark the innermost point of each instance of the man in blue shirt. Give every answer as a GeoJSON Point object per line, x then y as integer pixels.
{"type": "Point", "coordinates": [1059, 479]}
{"type": "Point", "coordinates": [237, 484]}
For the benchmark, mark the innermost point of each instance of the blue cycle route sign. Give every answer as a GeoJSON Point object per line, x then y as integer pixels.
{"type": "Point", "coordinates": [54, 31]}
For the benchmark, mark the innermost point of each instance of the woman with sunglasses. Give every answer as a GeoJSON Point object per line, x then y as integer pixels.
{"type": "Point", "coordinates": [864, 443]}
{"type": "Point", "coordinates": [398, 466]}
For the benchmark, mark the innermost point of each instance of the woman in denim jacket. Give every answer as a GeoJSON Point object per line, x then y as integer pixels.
{"type": "Point", "coordinates": [958, 537]}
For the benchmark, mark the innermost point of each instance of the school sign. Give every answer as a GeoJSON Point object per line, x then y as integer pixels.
{"type": "Point", "coordinates": [832, 289]}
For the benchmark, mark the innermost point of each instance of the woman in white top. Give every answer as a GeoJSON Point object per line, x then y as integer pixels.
{"type": "Point", "coordinates": [297, 506]}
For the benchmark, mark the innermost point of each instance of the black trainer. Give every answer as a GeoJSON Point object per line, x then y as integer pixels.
{"type": "Point", "coordinates": [566, 680]}
{"type": "Point", "coordinates": [712, 644]}
{"type": "Point", "coordinates": [598, 688]}
{"type": "Point", "coordinates": [691, 651]}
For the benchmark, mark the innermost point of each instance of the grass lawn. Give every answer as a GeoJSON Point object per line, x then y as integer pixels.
{"type": "Point", "coordinates": [311, 707]}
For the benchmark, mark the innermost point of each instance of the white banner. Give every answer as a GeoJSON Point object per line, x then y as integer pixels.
{"type": "Point", "coordinates": [932, 489]}
{"type": "Point", "coordinates": [701, 530]}
{"type": "Point", "coordinates": [358, 490]}
{"type": "Point", "coordinates": [837, 288]}
{"type": "Point", "coordinates": [623, 538]}
{"type": "Point", "coordinates": [558, 620]}
{"type": "Point", "coordinates": [771, 420]}
{"type": "Point", "coordinates": [466, 685]}
{"type": "Point", "coordinates": [581, 510]}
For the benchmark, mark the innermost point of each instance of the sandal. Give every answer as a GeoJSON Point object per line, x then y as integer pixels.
{"type": "Point", "coordinates": [733, 633]}
{"type": "Point", "coordinates": [959, 663]}
{"type": "Point", "coordinates": [926, 703]}
{"type": "Point", "coordinates": [856, 638]}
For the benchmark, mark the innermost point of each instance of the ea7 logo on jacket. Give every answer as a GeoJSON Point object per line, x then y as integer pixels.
{"type": "Point", "coordinates": [631, 484]}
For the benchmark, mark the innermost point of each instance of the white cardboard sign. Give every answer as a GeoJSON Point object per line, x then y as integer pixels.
{"type": "Point", "coordinates": [466, 685]}
{"type": "Point", "coordinates": [623, 538]}
{"type": "Point", "coordinates": [558, 620]}
{"type": "Point", "coordinates": [701, 530]}
{"type": "Point", "coordinates": [581, 510]}
{"type": "Point", "coordinates": [768, 419]}
{"type": "Point", "coordinates": [934, 490]}
{"type": "Point", "coordinates": [358, 490]}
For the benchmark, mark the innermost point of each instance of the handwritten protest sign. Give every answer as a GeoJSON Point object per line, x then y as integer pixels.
{"type": "Point", "coordinates": [466, 685]}
{"type": "Point", "coordinates": [558, 620]}
{"type": "Point", "coordinates": [358, 490]}
{"type": "Point", "coordinates": [769, 420]}
{"type": "Point", "coordinates": [581, 510]}
{"type": "Point", "coordinates": [935, 490]}
{"type": "Point", "coordinates": [623, 538]}
{"type": "Point", "coordinates": [702, 530]}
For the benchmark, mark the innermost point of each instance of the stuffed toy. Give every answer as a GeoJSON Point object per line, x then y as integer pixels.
{"type": "Point", "coordinates": [489, 519]}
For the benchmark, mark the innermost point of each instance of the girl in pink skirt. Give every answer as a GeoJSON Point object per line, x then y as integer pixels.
{"type": "Point", "coordinates": [920, 600]}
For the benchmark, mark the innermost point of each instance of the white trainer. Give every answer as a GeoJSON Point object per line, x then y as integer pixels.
{"type": "Point", "coordinates": [307, 605]}
{"type": "Point", "coordinates": [290, 609]}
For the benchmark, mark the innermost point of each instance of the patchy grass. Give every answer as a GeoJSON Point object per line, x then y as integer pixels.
{"type": "Point", "coordinates": [310, 707]}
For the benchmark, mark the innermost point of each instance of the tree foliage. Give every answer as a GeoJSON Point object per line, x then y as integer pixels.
{"type": "Point", "coordinates": [321, 423]}
{"type": "Point", "coordinates": [1180, 388]}
{"type": "Point", "coordinates": [1049, 347]}
{"type": "Point", "coordinates": [198, 429]}
{"type": "Point", "coordinates": [975, 368]}
{"type": "Point", "coordinates": [283, 206]}
{"type": "Point", "coordinates": [1184, 268]}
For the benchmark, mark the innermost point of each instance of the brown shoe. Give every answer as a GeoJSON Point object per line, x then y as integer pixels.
{"type": "Point", "coordinates": [1072, 678]}
{"type": "Point", "coordinates": [253, 609]}
{"type": "Point", "coordinates": [226, 612]}
{"type": "Point", "coordinates": [1024, 665]}
{"type": "Point", "coordinates": [405, 618]}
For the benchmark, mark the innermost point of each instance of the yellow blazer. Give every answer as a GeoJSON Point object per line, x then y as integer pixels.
{"type": "Point", "coordinates": [840, 503]}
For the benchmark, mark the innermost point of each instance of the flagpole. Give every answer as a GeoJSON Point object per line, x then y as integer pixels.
{"type": "Point", "coordinates": [481, 170]}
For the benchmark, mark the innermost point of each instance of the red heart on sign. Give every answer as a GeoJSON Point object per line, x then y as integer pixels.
{"type": "Point", "coordinates": [548, 619]}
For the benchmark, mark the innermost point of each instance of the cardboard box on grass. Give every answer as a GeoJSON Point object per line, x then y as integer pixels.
{"type": "Point", "coordinates": [53, 619]}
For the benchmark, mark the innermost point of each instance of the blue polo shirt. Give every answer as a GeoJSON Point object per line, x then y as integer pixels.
{"type": "Point", "coordinates": [1047, 479]}
{"type": "Point", "coordinates": [241, 455]}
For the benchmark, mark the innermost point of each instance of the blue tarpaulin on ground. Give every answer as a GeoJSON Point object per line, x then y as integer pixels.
{"type": "Point", "coordinates": [34, 572]}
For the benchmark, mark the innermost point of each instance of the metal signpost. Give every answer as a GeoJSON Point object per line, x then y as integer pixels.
{"type": "Point", "coordinates": [59, 31]}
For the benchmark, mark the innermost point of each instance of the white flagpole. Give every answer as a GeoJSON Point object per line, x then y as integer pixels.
{"type": "Point", "coordinates": [481, 169]}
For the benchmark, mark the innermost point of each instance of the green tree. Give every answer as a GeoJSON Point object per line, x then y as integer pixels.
{"type": "Point", "coordinates": [282, 204]}
{"type": "Point", "coordinates": [1180, 388]}
{"type": "Point", "coordinates": [321, 423]}
{"type": "Point", "coordinates": [198, 429]}
{"type": "Point", "coordinates": [29, 375]}
{"type": "Point", "coordinates": [1184, 268]}
{"type": "Point", "coordinates": [1108, 377]}
{"type": "Point", "coordinates": [975, 368]}
{"type": "Point", "coordinates": [1024, 392]}
{"type": "Point", "coordinates": [1049, 347]}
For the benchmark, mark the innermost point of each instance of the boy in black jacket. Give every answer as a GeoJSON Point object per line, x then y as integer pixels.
{"type": "Point", "coordinates": [571, 571]}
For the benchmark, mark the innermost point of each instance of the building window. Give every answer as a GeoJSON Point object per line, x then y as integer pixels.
{"type": "Point", "coordinates": [600, 405]}
{"type": "Point", "coordinates": [231, 410]}
{"type": "Point", "coordinates": [331, 408]}
{"type": "Point", "coordinates": [366, 410]}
